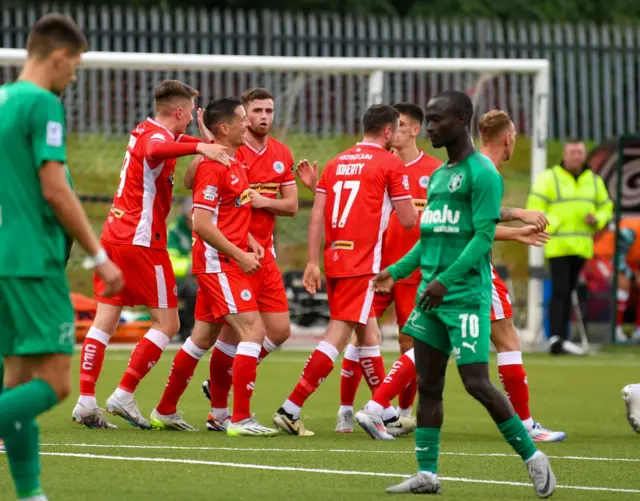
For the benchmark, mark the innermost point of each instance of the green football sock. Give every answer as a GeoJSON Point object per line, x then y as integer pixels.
{"type": "Point", "coordinates": [428, 449]}
{"type": "Point", "coordinates": [516, 434]}
{"type": "Point", "coordinates": [24, 403]}
{"type": "Point", "coordinates": [1, 375]}
{"type": "Point", "coordinates": [22, 452]}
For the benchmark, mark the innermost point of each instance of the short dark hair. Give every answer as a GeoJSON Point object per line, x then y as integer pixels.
{"type": "Point", "coordinates": [255, 94]}
{"type": "Point", "coordinates": [411, 110]}
{"type": "Point", "coordinates": [55, 31]}
{"type": "Point", "coordinates": [171, 89]}
{"type": "Point", "coordinates": [220, 111]}
{"type": "Point", "coordinates": [460, 103]}
{"type": "Point", "coordinates": [377, 117]}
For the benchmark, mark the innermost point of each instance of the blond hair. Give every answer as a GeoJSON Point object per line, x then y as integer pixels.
{"type": "Point", "coordinates": [493, 124]}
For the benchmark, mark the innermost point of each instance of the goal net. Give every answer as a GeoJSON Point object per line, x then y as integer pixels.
{"type": "Point", "coordinates": [319, 104]}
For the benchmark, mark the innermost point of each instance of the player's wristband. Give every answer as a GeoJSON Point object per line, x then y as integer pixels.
{"type": "Point", "coordinates": [91, 262]}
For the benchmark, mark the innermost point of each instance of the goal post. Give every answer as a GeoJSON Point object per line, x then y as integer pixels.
{"type": "Point", "coordinates": [372, 70]}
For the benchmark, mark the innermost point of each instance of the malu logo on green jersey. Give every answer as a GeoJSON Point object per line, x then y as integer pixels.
{"type": "Point", "coordinates": [455, 182]}
{"type": "Point", "coordinates": [437, 216]}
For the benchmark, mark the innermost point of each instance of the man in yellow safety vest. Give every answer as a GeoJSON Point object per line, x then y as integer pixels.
{"type": "Point", "coordinates": [577, 204]}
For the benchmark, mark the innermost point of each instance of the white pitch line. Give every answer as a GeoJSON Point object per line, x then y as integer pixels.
{"type": "Point", "coordinates": [320, 470]}
{"type": "Point", "coordinates": [341, 451]}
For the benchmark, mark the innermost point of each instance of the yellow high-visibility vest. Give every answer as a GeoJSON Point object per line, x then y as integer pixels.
{"type": "Point", "coordinates": [566, 201]}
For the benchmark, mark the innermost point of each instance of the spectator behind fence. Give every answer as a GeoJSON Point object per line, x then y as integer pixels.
{"type": "Point", "coordinates": [179, 247]}
{"type": "Point", "coordinates": [577, 204]}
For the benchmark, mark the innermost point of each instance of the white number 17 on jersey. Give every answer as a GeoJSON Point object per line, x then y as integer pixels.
{"type": "Point", "coordinates": [353, 187]}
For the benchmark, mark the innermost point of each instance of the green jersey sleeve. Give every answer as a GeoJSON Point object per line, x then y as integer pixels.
{"type": "Point", "coordinates": [48, 131]}
{"type": "Point", "coordinates": [486, 195]}
{"type": "Point", "coordinates": [405, 267]}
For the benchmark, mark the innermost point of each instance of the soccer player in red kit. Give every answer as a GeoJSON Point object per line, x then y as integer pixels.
{"type": "Point", "coordinates": [271, 173]}
{"type": "Point", "coordinates": [418, 168]}
{"type": "Point", "coordinates": [498, 140]}
{"type": "Point", "coordinates": [224, 254]}
{"type": "Point", "coordinates": [354, 198]}
{"type": "Point", "coordinates": [135, 237]}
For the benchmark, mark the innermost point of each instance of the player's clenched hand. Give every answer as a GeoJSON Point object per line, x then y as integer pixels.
{"type": "Point", "coordinates": [257, 200]}
{"type": "Point", "coordinates": [308, 174]}
{"type": "Point", "coordinates": [255, 247]}
{"type": "Point", "coordinates": [112, 278]}
{"type": "Point", "coordinates": [432, 295]}
{"type": "Point", "coordinates": [215, 152]}
{"type": "Point", "coordinates": [206, 134]}
{"type": "Point", "coordinates": [382, 283]}
{"type": "Point", "coordinates": [536, 218]}
{"type": "Point", "coordinates": [311, 278]}
{"type": "Point", "coordinates": [249, 262]}
{"type": "Point", "coordinates": [529, 235]}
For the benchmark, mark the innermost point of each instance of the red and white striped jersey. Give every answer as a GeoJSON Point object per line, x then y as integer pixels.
{"type": "Point", "coordinates": [143, 199]}
{"type": "Point", "coordinates": [360, 184]}
{"type": "Point", "coordinates": [398, 240]}
{"type": "Point", "coordinates": [224, 191]}
{"type": "Point", "coordinates": [268, 169]}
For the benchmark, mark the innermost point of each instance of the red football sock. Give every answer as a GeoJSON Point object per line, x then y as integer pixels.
{"type": "Point", "coordinates": [244, 379]}
{"type": "Point", "coordinates": [408, 394]}
{"type": "Point", "coordinates": [623, 301]}
{"type": "Point", "coordinates": [318, 367]}
{"type": "Point", "coordinates": [372, 366]}
{"type": "Point", "coordinates": [220, 374]}
{"type": "Point", "coordinates": [350, 376]}
{"type": "Point", "coordinates": [145, 355]}
{"type": "Point", "coordinates": [402, 372]}
{"type": "Point", "coordinates": [514, 381]}
{"type": "Point", "coordinates": [182, 369]}
{"type": "Point", "coordinates": [93, 348]}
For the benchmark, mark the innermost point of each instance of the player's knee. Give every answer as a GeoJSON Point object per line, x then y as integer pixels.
{"type": "Point", "coordinates": [430, 388]}
{"type": "Point", "coordinates": [478, 388]}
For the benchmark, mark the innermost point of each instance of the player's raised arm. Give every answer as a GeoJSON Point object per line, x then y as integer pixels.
{"type": "Point", "coordinates": [308, 174]}
{"type": "Point", "coordinates": [190, 175]}
{"type": "Point", "coordinates": [286, 205]}
{"type": "Point", "coordinates": [485, 201]}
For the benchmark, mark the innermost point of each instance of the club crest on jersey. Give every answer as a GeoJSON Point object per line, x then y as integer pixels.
{"type": "Point", "coordinates": [210, 193]}
{"type": "Point", "coordinates": [278, 166]}
{"type": "Point", "coordinates": [455, 182]}
{"type": "Point", "coordinates": [244, 198]}
{"type": "Point", "coordinates": [245, 295]}
{"type": "Point", "coordinates": [424, 181]}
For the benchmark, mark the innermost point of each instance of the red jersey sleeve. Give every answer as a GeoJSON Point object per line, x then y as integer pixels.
{"type": "Point", "coordinates": [322, 183]}
{"type": "Point", "coordinates": [288, 177]}
{"type": "Point", "coordinates": [208, 184]}
{"type": "Point", "coordinates": [398, 181]}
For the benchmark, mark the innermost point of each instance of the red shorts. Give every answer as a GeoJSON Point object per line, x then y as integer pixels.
{"type": "Point", "coordinates": [268, 288]}
{"type": "Point", "coordinates": [221, 294]}
{"type": "Point", "coordinates": [403, 295]}
{"type": "Point", "coordinates": [500, 300]}
{"type": "Point", "coordinates": [350, 298]}
{"type": "Point", "coordinates": [148, 277]}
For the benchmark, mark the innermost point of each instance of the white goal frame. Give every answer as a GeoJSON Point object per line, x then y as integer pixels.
{"type": "Point", "coordinates": [375, 68]}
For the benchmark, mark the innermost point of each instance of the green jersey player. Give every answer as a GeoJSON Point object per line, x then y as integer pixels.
{"type": "Point", "coordinates": [451, 315]}
{"type": "Point", "coordinates": [38, 209]}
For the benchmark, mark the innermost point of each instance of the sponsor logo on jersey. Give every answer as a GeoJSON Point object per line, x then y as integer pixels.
{"type": "Point", "coordinates": [455, 182]}
{"type": "Point", "coordinates": [405, 182]}
{"type": "Point", "coordinates": [266, 187]}
{"type": "Point", "coordinates": [446, 218]}
{"type": "Point", "coordinates": [342, 245]}
{"type": "Point", "coordinates": [243, 199]}
{"type": "Point", "coordinates": [210, 193]}
{"type": "Point", "coordinates": [234, 179]}
{"type": "Point", "coordinates": [278, 166]}
{"type": "Point", "coordinates": [54, 134]}
{"type": "Point", "coordinates": [419, 203]}
{"type": "Point", "coordinates": [424, 181]}
{"type": "Point", "coordinates": [245, 295]}
{"type": "Point", "coordinates": [359, 156]}
{"type": "Point", "coordinates": [116, 212]}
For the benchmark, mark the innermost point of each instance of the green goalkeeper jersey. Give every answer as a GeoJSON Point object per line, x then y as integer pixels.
{"type": "Point", "coordinates": [457, 229]}
{"type": "Point", "coordinates": [32, 131]}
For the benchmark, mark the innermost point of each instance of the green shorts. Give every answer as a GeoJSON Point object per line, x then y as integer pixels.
{"type": "Point", "coordinates": [36, 316]}
{"type": "Point", "coordinates": [466, 334]}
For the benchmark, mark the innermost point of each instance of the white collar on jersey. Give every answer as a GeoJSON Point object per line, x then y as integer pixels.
{"type": "Point", "coordinates": [149, 119]}
{"type": "Point", "coordinates": [415, 160]}
{"type": "Point", "coordinates": [367, 143]}
{"type": "Point", "coordinates": [254, 149]}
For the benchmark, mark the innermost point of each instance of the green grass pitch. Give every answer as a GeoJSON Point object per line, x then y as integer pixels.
{"type": "Point", "coordinates": [599, 460]}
